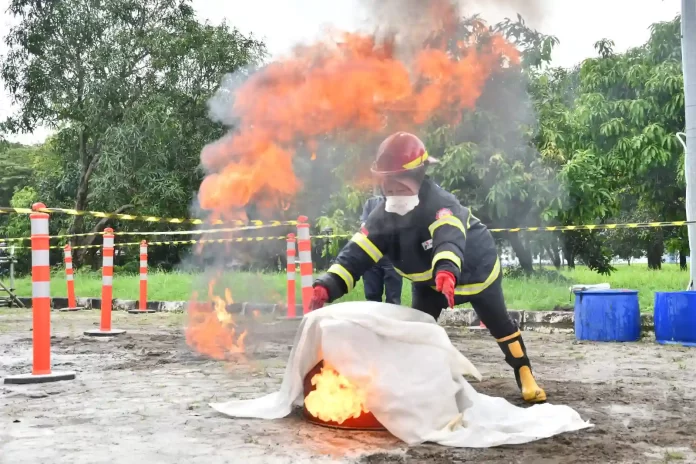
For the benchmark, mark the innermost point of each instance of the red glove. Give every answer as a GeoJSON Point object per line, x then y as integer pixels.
{"type": "Point", "coordinates": [444, 282]}
{"type": "Point", "coordinates": [319, 298]}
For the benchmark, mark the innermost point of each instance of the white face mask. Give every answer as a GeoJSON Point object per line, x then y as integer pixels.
{"type": "Point", "coordinates": [401, 205]}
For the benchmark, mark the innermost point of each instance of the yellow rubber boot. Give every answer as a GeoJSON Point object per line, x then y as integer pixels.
{"type": "Point", "coordinates": [516, 356]}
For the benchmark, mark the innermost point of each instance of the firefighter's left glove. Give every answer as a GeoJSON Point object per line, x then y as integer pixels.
{"type": "Point", "coordinates": [319, 297]}
{"type": "Point", "coordinates": [444, 283]}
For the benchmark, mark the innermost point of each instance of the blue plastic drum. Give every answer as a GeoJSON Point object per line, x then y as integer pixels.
{"type": "Point", "coordinates": [675, 318]}
{"type": "Point", "coordinates": [607, 315]}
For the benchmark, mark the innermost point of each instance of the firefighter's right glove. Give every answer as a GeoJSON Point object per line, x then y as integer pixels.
{"type": "Point", "coordinates": [319, 297]}
{"type": "Point", "coordinates": [444, 283]}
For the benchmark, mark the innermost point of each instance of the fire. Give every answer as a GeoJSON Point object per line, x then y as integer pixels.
{"type": "Point", "coordinates": [212, 330]}
{"type": "Point", "coordinates": [356, 87]}
{"type": "Point", "coordinates": [335, 398]}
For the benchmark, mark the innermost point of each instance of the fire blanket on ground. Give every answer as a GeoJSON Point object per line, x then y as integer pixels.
{"type": "Point", "coordinates": [412, 376]}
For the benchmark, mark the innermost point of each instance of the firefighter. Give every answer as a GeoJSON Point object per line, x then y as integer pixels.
{"type": "Point", "coordinates": [380, 278]}
{"type": "Point", "coordinates": [438, 244]}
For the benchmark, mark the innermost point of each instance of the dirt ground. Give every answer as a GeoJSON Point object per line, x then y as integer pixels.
{"type": "Point", "coordinates": [143, 398]}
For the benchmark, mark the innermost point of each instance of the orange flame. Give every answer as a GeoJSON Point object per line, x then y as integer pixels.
{"type": "Point", "coordinates": [335, 398]}
{"type": "Point", "coordinates": [211, 329]}
{"type": "Point", "coordinates": [349, 89]}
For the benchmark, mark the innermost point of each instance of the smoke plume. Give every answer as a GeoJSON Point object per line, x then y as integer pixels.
{"type": "Point", "coordinates": [294, 120]}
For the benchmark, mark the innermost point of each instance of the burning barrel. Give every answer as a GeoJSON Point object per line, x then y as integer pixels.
{"type": "Point", "coordinates": [331, 400]}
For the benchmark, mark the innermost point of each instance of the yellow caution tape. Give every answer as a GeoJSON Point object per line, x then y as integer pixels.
{"type": "Point", "coordinates": [274, 223]}
{"type": "Point", "coordinates": [194, 242]}
{"type": "Point", "coordinates": [22, 239]}
{"type": "Point", "coordinates": [143, 218]}
{"type": "Point", "coordinates": [157, 232]}
{"type": "Point", "coordinates": [195, 232]}
{"type": "Point", "coordinates": [7, 209]}
{"type": "Point", "coordinates": [183, 242]}
{"type": "Point", "coordinates": [628, 225]}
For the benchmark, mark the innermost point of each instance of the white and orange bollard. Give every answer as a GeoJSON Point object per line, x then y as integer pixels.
{"type": "Point", "coordinates": [105, 329]}
{"type": "Point", "coordinates": [70, 280]}
{"type": "Point", "coordinates": [41, 305]}
{"type": "Point", "coordinates": [292, 313]}
{"type": "Point", "coordinates": [304, 246]}
{"type": "Point", "coordinates": [142, 301]}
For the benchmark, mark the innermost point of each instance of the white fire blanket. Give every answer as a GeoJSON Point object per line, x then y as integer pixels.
{"type": "Point", "coordinates": [412, 376]}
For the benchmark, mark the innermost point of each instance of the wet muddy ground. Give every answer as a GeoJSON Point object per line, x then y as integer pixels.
{"type": "Point", "coordinates": [143, 398]}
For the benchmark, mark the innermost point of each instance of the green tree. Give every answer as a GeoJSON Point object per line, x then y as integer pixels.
{"type": "Point", "coordinates": [15, 165]}
{"type": "Point", "coordinates": [18, 225]}
{"type": "Point", "coordinates": [89, 67]}
{"type": "Point", "coordinates": [628, 109]}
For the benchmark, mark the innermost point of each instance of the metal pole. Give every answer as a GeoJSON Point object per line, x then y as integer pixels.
{"type": "Point", "coordinates": [12, 263]}
{"type": "Point", "coordinates": [688, 21]}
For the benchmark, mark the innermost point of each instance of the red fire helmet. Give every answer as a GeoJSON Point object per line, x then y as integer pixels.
{"type": "Point", "coordinates": [401, 153]}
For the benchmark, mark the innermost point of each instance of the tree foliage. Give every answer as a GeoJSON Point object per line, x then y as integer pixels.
{"type": "Point", "coordinates": [125, 85]}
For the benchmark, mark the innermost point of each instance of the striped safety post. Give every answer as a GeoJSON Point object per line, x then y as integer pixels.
{"type": "Point", "coordinates": [142, 301]}
{"type": "Point", "coordinates": [304, 246]}
{"type": "Point", "coordinates": [105, 329]}
{"type": "Point", "coordinates": [291, 276]}
{"type": "Point", "coordinates": [70, 280]}
{"type": "Point", "coordinates": [41, 305]}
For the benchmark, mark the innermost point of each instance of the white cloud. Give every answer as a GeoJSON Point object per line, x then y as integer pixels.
{"type": "Point", "coordinates": [284, 23]}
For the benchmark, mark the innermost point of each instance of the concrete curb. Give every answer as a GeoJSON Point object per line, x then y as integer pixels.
{"type": "Point", "coordinates": [539, 321]}
{"type": "Point", "coordinates": [536, 321]}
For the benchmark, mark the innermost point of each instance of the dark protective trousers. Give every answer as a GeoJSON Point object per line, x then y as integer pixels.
{"type": "Point", "coordinates": [382, 279]}
{"type": "Point", "coordinates": [489, 306]}
{"type": "Point", "coordinates": [491, 310]}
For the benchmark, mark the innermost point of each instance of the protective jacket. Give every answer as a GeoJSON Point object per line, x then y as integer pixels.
{"type": "Point", "coordinates": [438, 234]}
{"type": "Point", "coordinates": [368, 207]}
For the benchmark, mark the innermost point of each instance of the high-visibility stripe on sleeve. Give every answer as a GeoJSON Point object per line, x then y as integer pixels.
{"type": "Point", "coordinates": [447, 220]}
{"type": "Point", "coordinates": [449, 255]}
{"type": "Point", "coordinates": [417, 277]}
{"type": "Point", "coordinates": [368, 247]}
{"type": "Point", "coordinates": [343, 273]}
{"type": "Point", "coordinates": [473, 289]}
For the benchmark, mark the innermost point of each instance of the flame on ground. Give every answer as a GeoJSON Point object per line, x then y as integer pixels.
{"type": "Point", "coordinates": [352, 88]}
{"type": "Point", "coordinates": [335, 398]}
{"type": "Point", "coordinates": [211, 330]}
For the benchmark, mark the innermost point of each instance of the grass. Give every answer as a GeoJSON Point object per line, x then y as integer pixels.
{"type": "Point", "coordinates": [525, 293]}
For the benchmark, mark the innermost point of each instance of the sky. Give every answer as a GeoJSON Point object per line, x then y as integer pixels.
{"type": "Point", "coordinates": [285, 23]}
